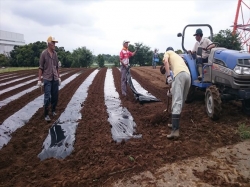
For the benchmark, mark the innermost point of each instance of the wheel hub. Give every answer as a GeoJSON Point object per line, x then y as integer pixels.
{"type": "Point", "coordinates": [210, 104]}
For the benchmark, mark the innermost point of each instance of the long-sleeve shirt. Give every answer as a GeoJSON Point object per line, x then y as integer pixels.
{"type": "Point", "coordinates": [49, 65]}
{"type": "Point", "coordinates": [125, 54]}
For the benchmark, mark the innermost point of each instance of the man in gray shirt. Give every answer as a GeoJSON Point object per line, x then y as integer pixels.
{"type": "Point", "coordinates": [203, 43]}
{"type": "Point", "coordinates": [49, 69]}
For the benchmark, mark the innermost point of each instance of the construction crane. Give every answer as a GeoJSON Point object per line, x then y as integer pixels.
{"type": "Point", "coordinates": [243, 28]}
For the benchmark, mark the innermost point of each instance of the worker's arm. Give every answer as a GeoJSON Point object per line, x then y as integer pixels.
{"type": "Point", "coordinates": [40, 72]}
{"type": "Point", "coordinates": [167, 68]}
{"type": "Point", "coordinates": [166, 64]}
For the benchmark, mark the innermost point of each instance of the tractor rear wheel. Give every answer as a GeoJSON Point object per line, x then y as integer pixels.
{"type": "Point", "coordinates": [213, 102]}
{"type": "Point", "coordinates": [191, 94]}
{"type": "Point", "coordinates": [246, 106]}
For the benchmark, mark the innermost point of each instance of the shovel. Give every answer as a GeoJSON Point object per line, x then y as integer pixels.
{"type": "Point", "coordinates": [168, 103]}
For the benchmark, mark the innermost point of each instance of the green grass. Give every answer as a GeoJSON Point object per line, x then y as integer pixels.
{"type": "Point", "coordinates": [244, 131]}
{"type": "Point", "coordinates": [10, 69]}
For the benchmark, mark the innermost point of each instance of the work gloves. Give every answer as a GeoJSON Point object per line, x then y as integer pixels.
{"type": "Point", "coordinates": [169, 80]}
{"type": "Point", "coordinates": [59, 82]}
{"type": "Point", "coordinates": [39, 83]}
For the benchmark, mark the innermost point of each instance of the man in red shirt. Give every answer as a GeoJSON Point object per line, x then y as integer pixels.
{"type": "Point", "coordinates": [125, 54]}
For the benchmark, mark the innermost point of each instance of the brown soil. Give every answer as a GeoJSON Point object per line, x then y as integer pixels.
{"type": "Point", "coordinates": [97, 160]}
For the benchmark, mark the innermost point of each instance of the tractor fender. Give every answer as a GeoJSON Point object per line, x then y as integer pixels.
{"type": "Point", "coordinates": [191, 63]}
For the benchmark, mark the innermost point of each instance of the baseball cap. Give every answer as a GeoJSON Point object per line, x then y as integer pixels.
{"type": "Point", "coordinates": [52, 39]}
{"type": "Point", "coordinates": [125, 41]}
{"type": "Point", "coordinates": [198, 31]}
{"type": "Point", "coordinates": [170, 48]}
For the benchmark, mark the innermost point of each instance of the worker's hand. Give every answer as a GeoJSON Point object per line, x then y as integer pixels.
{"type": "Point", "coordinates": [162, 69]}
{"type": "Point", "coordinates": [205, 49]}
{"type": "Point", "coordinates": [59, 82]}
{"type": "Point", "coordinates": [169, 80]}
{"type": "Point", "coordinates": [191, 52]}
{"type": "Point", "coordinates": [169, 94]}
{"type": "Point", "coordinates": [39, 83]}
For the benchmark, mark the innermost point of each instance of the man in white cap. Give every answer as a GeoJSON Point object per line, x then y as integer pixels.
{"type": "Point", "coordinates": [49, 68]}
{"type": "Point", "coordinates": [125, 54]}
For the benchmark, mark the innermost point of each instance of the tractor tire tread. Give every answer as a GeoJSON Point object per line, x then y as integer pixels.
{"type": "Point", "coordinates": [217, 102]}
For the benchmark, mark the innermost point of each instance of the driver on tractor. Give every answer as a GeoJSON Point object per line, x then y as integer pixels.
{"type": "Point", "coordinates": [204, 43]}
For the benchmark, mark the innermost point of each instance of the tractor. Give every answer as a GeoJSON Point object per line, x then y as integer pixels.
{"type": "Point", "coordinates": [225, 77]}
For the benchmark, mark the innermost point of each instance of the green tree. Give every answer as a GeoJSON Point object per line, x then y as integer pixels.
{"type": "Point", "coordinates": [143, 56]}
{"type": "Point", "coordinates": [227, 39]}
{"type": "Point", "coordinates": [4, 61]}
{"type": "Point", "coordinates": [161, 55]}
{"type": "Point", "coordinates": [14, 57]}
{"type": "Point", "coordinates": [27, 55]}
{"type": "Point", "coordinates": [68, 60]}
{"type": "Point", "coordinates": [100, 60]}
{"type": "Point", "coordinates": [82, 57]}
{"type": "Point", "coordinates": [116, 60]}
{"type": "Point", "coordinates": [75, 64]}
{"type": "Point", "coordinates": [64, 57]}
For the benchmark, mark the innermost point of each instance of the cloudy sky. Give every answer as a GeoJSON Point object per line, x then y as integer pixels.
{"type": "Point", "coordinates": [102, 25]}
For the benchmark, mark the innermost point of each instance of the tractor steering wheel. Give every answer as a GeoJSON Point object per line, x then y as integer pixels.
{"type": "Point", "coordinates": [213, 43]}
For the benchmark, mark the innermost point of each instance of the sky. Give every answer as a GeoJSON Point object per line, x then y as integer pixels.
{"type": "Point", "coordinates": [102, 25]}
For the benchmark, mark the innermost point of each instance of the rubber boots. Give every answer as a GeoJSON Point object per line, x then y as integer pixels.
{"type": "Point", "coordinates": [175, 126]}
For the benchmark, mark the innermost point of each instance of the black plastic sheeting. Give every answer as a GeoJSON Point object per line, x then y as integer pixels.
{"type": "Point", "coordinates": [18, 95]}
{"type": "Point", "coordinates": [122, 122]}
{"type": "Point", "coordinates": [60, 140]}
{"type": "Point", "coordinates": [57, 135]}
{"type": "Point", "coordinates": [22, 116]}
{"type": "Point", "coordinates": [140, 97]}
{"type": "Point", "coordinates": [61, 137]}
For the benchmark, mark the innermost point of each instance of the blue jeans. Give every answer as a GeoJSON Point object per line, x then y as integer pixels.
{"type": "Point", "coordinates": [50, 95]}
{"type": "Point", "coordinates": [154, 64]}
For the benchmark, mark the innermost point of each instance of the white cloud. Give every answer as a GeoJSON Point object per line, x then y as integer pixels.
{"type": "Point", "coordinates": [101, 25]}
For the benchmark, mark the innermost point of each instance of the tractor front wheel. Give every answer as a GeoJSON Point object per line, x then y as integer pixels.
{"type": "Point", "coordinates": [246, 106]}
{"type": "Point", "coordinates": [213, 102]}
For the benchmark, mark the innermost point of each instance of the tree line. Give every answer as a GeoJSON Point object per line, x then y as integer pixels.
{"type": "Point", "coordinates": [28, 55]}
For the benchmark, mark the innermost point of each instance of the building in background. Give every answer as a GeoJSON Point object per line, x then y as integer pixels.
{"type": "Point", "coordinates": [8, 40]}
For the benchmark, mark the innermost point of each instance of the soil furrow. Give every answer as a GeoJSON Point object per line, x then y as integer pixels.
{"type": "Point", "coordinates": [18, 82]}
{"type": "Point", "coordinates": [22, 88]}
{"type": "Point", "coordinates": [19, 103]}
{"type": "Point", "coordinates": [20, 75]}
{"type": "Point", "coordinates": [26, 144]}
{"type": "Point", "coordinates": [97, 160]}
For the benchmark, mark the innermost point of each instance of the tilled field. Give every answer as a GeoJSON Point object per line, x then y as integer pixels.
{"type": "Point", "coordinates": [97, 160]}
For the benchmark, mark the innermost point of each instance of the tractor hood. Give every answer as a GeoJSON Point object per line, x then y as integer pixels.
{"type": "Point", "coordinates": [230, 58]}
